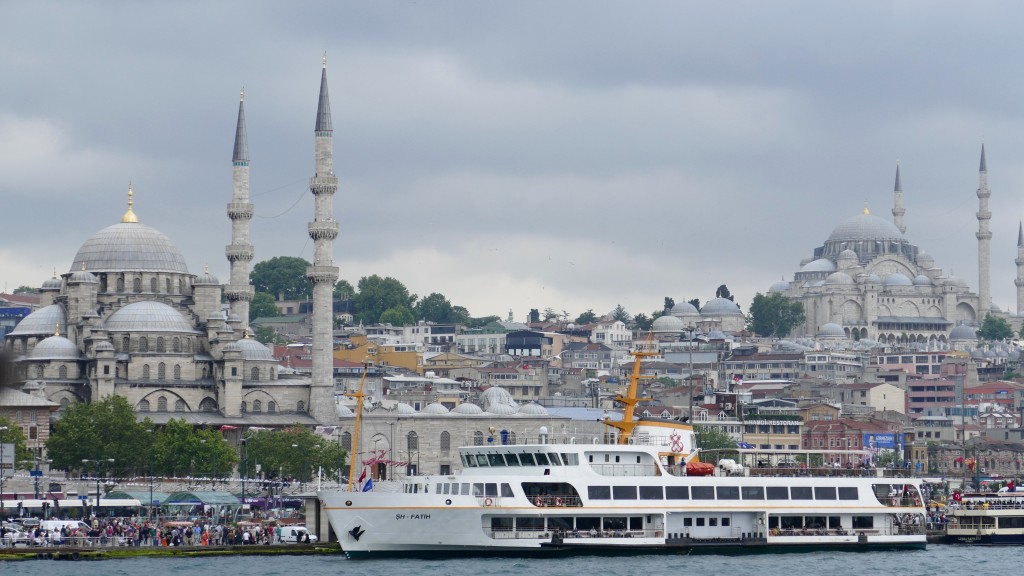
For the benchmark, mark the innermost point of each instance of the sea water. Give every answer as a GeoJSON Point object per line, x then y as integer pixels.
{"type": "Point", "coordinates": [937, 559]}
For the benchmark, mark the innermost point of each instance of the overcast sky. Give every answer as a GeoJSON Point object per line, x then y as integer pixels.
{"type": "Point", "coordinates": [517, 155]}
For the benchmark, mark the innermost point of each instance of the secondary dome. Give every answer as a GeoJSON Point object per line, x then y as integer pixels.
{"type": "Point", "coordinates": [250, 349]}
{"type": "Point", "coordinates": [780, 286]}
{"type": "Point", "coordinates": [533, 409]}
{"type": "Point", "coordinates": [838, 278]}
{"type": "Point", "coordinates": [667, 324]}
{"type": "Point", "coordinates": [831, 330]}
{"type": "Point", "coordinates": [963, 332]}
{"type": "Point", "coordinates": [404, 409]}
{"type": "Point", "coordinates": [684, 309]}
{"type": "Point", "coordinates": [866, 227]}
{"type": "Point", "coordinates": [819, 265]}
{"type": "Point", "coordinates": [467, 409]}
{"type": "Point", "coordinates": [434, 408]}
{"type": "Point", "coordinates": [897, 279]}
{"type": "Point", "coordinates": [129, 246]}
{"type": "Point", "coordinates": [55, 348]}
{"type": "Point", "coordinates": [46, 320]}
{"type": "Point", "coordinates": [922, 280]}
{"type": "Point", "coordinates": [720, 307]}
{"type": "Point", "coordinates": [148, 316]}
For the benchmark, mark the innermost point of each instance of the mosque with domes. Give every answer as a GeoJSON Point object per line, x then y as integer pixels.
{"type": "Point", "coordinates": [868, 281]}
{"type": "Point", "coordinates": [129, 319]}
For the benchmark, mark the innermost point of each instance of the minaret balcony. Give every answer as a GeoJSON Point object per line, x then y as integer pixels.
{"type": "Point", "coordinates": [320, 274]}
{"type": "Point", "coordinates": [236, 293]}
{"type": "Point", "coordinates": [323, 184]}
{"type": "Point", "coordinates": [240, 210]}
{"type": "Point", "coordinates": [236, 252]}
{"type": "Point", "coordinates": [323, 229]}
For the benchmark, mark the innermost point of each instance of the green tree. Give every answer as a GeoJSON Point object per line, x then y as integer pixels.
{"type": "Point", "coordinates": [533, 316]}
{"type": "Point", "coordinates": [669, 304]}
{"type": "Point", "coordinates": [397, 316]}
{"type": "Point", "coordinates": [774, 315]}
{"type": "Point", "coordinates": [268, 335]}
{"type": "Point", "coordinates": [695, 303]}
{"type": "Point", "coordinates": [460, 315]}
{"type": "Point", "coordinates": [481, 322]}
{"type": "Point", "coordinates": [24, 289]}
{"type": "Point", "coordinates": [95, 431]}
{"type": "Point", "coordinates": [995, 329]}
{"type": "Point", "coordinates": [723, 292]}
{"type": "Point", "coordinates": [434, 308]}
{"type": "Point", "coordinates": [11, 433]}
{"type": "Point", "coordinates": [587, 317]}
{"type": "Point", "coordinates": [620, 314]}
{"type": "Point", "coordinates": [262, 306]}
{"type": "Point", "coordinates": [294, 452]}
{"type": "Point", "coordinates": [283, 276]}
{"type": "Point", "coordinates": [550, 314]}
{"type": "Point", "coordinates": [376, 295]}
{"type": "Point", "coordinates": [343, 290]}
{"type": "Point", "coordinates": [718, 442]}
{"type": "Point", "coordinates": [642, 322]}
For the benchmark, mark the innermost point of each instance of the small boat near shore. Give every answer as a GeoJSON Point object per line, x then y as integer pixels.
{"type": "Point", "coordinates": [633, 489]}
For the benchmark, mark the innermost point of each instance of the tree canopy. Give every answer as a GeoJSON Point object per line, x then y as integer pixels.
{"type": "Point", "coordinates": [669, 304]}
{"type": "Point", "coordinates": [11, 433]}
{"type": "Point", "coordinates": [619, 313]}
{"type": "Point", "coordinates": [343, 290]}
{"type": "Point", "coordinates": [98, 431]}
{"type": "Point", "coordinates": [436, 308]}
{"type": "Point", "coordinates": [586, 317]}
{"type": "Point", "coordinates": [994, 329]}
{"type": "Point", "coordinates": [723, 292]}
{"type": "Point", "coordinates": [642, 322]}
{"type": "Point", "coordinates": [282, 276]}
{"type": "Point", "coordinates": [293, 452]}
{"type": "Point", "coordinates": [377, 295]}
{"type": "Point", "coordinates": [24, 289]}
{"type": "Point", "coordinates": [262, 306]}
{"type": "Point", "coordinates": [774, 315]}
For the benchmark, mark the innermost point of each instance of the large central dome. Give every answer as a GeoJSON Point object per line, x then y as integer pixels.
{"type": "Point", "coordinates": [129, 247]}
{"type": "Point", "coordinates": [866, 227]}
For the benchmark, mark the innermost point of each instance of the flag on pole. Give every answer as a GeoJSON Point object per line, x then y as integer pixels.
{"type": "Point", "coordinates": [369, 485]}
{"type": "Point", "coordinates": [362, 476]}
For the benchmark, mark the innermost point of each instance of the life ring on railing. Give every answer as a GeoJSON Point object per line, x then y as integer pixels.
{"type": "Point", "coordinates": [538, 502]}
{"type": "Point", "coordinates": [558, 502]}
{"type": "Point", "coordinates": [488, 501]}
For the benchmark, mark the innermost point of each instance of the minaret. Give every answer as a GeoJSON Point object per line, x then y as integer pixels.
{"type": "Point", "coordinates": [1020, 269]}
{"type": "Point", "coordinates": [323, 274]}
{"type": "Point", "coordinates": [240, 252]}
{"type": "Point", "coordinates": [984, 240]}
{"type": "Point", "coordinates": [897, 210]}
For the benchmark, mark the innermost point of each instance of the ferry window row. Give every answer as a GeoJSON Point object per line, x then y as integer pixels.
{"type": "Point", "coordinates": [722, 492]}
{"type": "Point", "coordinates": [496, 459]}
{"type": "Point", "coordinates": [478, 489]}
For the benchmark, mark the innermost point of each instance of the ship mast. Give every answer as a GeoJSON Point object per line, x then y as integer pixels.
{"type": "Point", "coordinates": [355, 435]}
{"type": "Point", "coordinates": [630, 400]}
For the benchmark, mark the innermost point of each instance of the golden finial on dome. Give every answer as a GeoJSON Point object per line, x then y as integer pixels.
{"type": "Point", "coordinates": [241, 95]}
{"type": "Point", "coordinates": [56, 329]}
{"type": "Point", "coordinates": [83, 265]}
{"type": "Point", "coordinates": [246, 333]}
{"type": "Point", "coordinates": [130, 216]}
{"type": "Point", "coordinates": [206, 269]}
{"type": "Point", "coordinates": [325, 60]}
{"type": "Point", "coordinates": [866, 211]}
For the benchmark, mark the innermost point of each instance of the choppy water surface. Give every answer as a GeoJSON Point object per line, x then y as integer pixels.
{"type": "Point", "coordinates": [934, 561]}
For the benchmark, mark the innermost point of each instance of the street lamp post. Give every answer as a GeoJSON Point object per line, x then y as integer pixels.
{"type": "Point", "coordinates": [96, 464]}
{"type": "Point", "coordinates": [245, 465]}
{"type": "Point", "coordinates": [3, 473]}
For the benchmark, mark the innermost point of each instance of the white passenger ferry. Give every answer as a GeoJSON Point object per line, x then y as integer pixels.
{"type": "Point", "coordinates": [987, 519]}
{"type": "Point", "coordinates": [635, 493]}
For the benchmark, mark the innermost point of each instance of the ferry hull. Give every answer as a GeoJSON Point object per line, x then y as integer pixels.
{"type": "Point", "coordinates": [984, 539]}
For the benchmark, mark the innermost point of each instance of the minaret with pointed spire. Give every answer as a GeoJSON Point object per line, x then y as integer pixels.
{"type": "Point", "coordinates": [1019, 281]}
{"type": "Point", "coordinates": [323, 274]}
{"type": "Point", "coordinates": [240, 252]}
{"type": "Point", "coordinates": [897, 210]}
{"type": "Point", "coordinates": [984, 240]}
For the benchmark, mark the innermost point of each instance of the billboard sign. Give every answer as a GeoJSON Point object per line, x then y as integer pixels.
{"type": "Point", "coordinates": [879, 443]}
{"type": "Point", "coordinates": [6, 460]}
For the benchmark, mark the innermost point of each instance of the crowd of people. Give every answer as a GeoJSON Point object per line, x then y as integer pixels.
{"type": "Point", "coordinates": [139, 532]}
